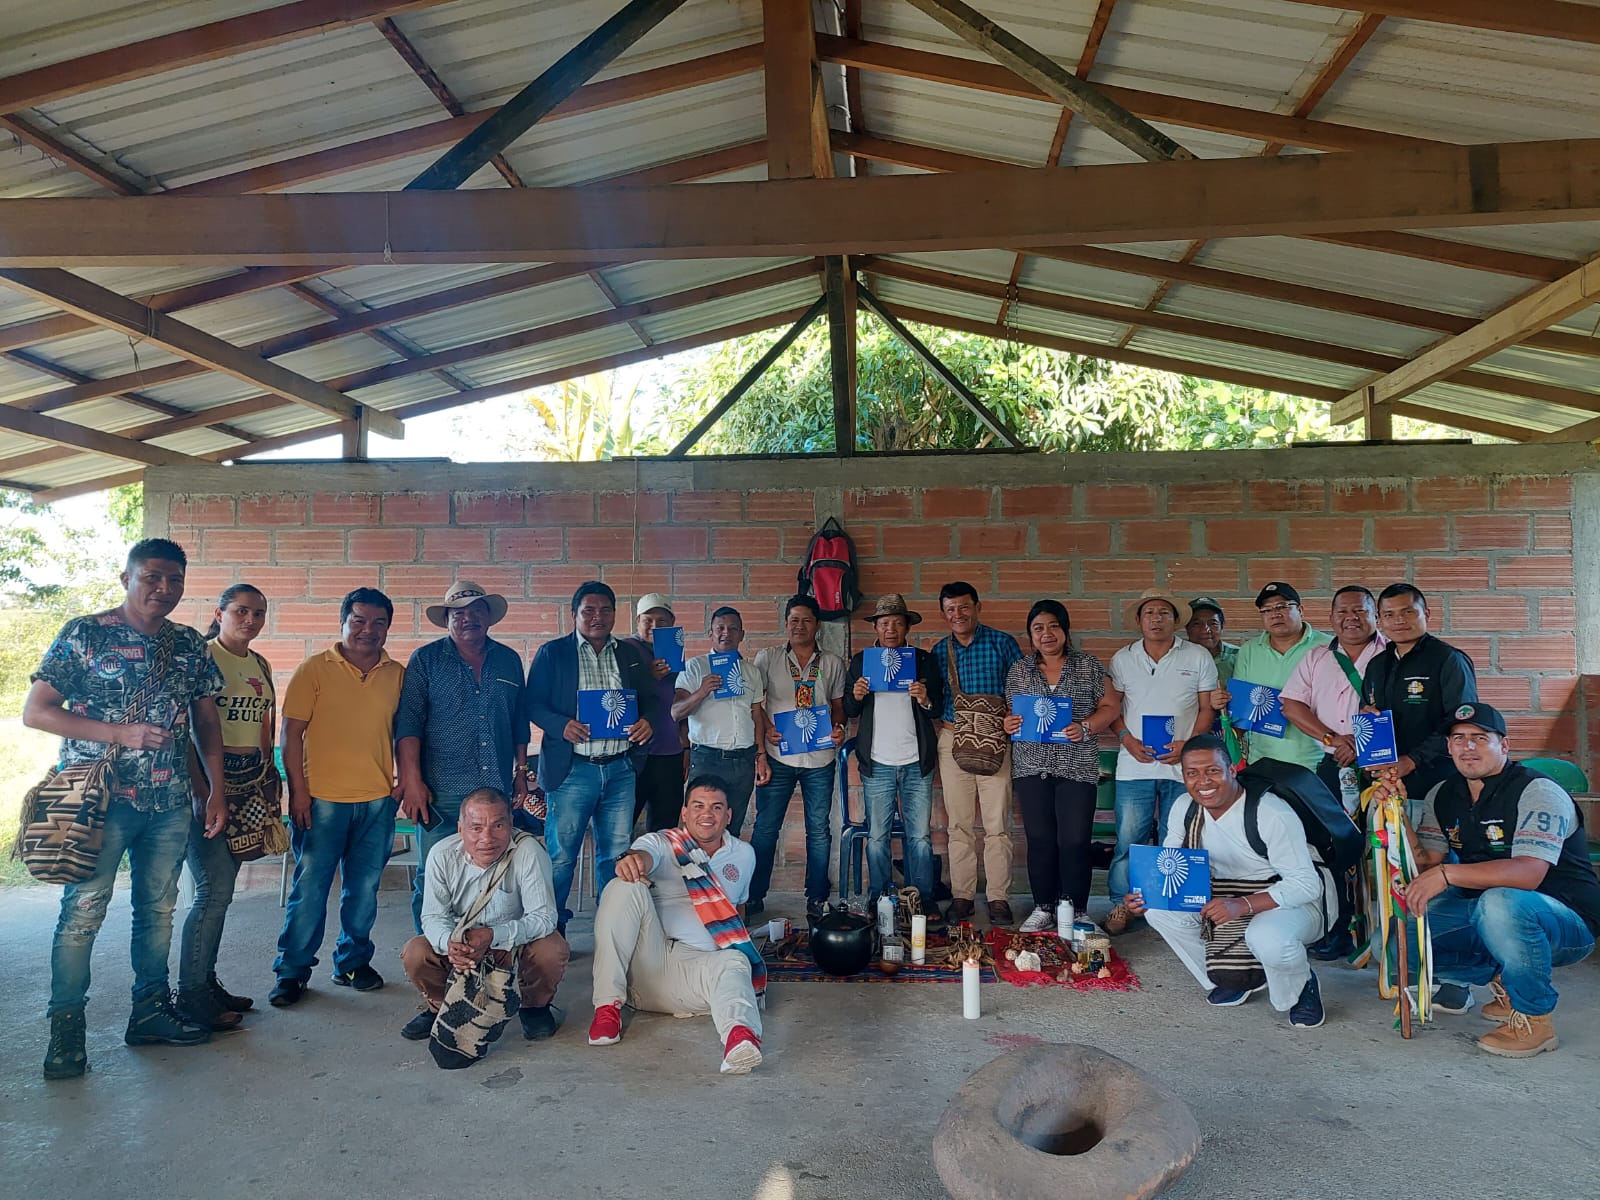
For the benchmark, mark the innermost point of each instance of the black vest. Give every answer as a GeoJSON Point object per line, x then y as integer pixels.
{"type": "Point", "coordinates": [1483, 832]}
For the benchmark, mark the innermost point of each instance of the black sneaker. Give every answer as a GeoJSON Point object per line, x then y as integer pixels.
{"type": "Point", "coordinates": [227, 999]}
{"type": "Point", "coordinates": [66, 1058]}
{"type": "Point", "coordinates": [202, 1008]}
{"type": "Point", "coordinates": [755, 908]}
{"type": "Point", "coordinates": [286, 992]}
{"type": "Point", "coordinates": [1307, 1011]}
{"type": "Point", "coordinates": [541, 1023]}
{"type": "Point", "coordinates": [1220, 997]}
{"type": "Point", "coordinates": [1338, 944]}
{"type": "Point", "coordinates": [157, 1022]}
{"type": "Point", "coordinates": [363, 979]}
{"type": "Point", "coordinates": [815, 908]}
{"type": "Point", "coordinates": [419, 1027]}
{"type": "Point", "coordinates": [1452, 998]}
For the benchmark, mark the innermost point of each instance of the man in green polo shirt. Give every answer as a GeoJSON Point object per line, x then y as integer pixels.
{"type": "Point", "coordinates": [1269, 659]}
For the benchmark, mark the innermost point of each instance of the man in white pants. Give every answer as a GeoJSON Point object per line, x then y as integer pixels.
{"type": "Point", "coordinates": [1292, 907]}
{"type": "Point", "coordinates": [653, 948]}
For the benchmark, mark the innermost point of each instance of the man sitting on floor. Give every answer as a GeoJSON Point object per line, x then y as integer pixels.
{"type": "Point", "coordinates": [669, 936]}
{"type": "Point", "coordinates": [1522, 898]}
{"type": "Point", "coordinates": [520, 919]}
{"type": "Point", "coordinates": [1290, 908]}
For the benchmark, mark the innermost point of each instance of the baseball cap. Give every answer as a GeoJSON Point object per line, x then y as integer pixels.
{"type": "Point", "coordinates": [653, 600]}
{"type": "Point", "coordinates": [1280, 591]}
{"type": "Point", "coordinates": [1484, 716]}
{"type": "Point", "coordinates": [1200, 602]}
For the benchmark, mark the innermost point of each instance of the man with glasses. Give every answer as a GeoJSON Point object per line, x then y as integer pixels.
{"type": "Point", "coordinates": [1518, 896]}
{"type": "Point", "coordinates": [1268, 659]}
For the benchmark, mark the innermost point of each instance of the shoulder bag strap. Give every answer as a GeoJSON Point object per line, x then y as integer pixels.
{"type": "Point", "coordinates": [950, 663]}
{"type": "Point", "coordinates": [1345, 665]}
{"type": "Point", "coordinates": [491, 883]}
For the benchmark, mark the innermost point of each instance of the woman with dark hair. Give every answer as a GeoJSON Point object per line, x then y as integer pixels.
{"type": "Point", "coordinates": [246, 706]}
{"type": "Point", "coordinates": [1055, 782]}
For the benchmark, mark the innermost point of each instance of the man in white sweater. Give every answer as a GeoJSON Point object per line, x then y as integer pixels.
{"type": "Point", "coordinates": [519, 920]}
{"type": "Point", "coordinates": [1248, 841]}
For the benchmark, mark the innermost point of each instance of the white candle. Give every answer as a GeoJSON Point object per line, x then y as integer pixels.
{"type": "Point", "coordinates": [969, 990]}
{"type": "Point", "coordinates": [919, 938]}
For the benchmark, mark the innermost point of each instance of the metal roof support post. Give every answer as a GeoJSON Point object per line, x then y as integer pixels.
{"type": "Point", "coordinates": [748, 379]}
{"type": "Point", "coordinates": [990, 419]}
{"type": "Point", "coordinates": [841, 296]}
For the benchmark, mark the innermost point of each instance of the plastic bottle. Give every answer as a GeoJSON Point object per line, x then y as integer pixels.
{"type": "Point", "coordinates": [885, 916]}
{"type": "Point", "coordinates": [1064, 919]}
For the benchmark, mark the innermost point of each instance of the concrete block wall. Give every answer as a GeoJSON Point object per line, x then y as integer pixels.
{"type": "Point", "coordinates": [1487, 532]}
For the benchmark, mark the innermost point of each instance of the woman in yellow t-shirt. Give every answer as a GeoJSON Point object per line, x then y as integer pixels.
{"type": "Point", "coordinates": [247, 707]}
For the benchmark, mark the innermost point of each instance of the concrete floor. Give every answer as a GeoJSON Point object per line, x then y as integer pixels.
{"type": "Point", "coordinates": [326, 1099]}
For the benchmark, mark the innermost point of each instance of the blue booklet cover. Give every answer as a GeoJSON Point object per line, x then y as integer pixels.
{"type": "Point", "coordinates": [728, 664]}
{"type": "Point", "coordinates": [669, 645]}
{"type": "Point", "coordinates": [1044, 718]}
{"type": "Point", "coordinates": [607, 711]}
{"type": "Point", "coordinates": [804, 729]}
{"type": "Point", "coordinates": [887, 670]}
{"type": "Point", "coordinates": [1374, 734]}
{"type": "Point", "coordinates": [1256, 707]}
{"type": "Point", "coordinates": [1170, 878]}
{"type": "Point", "coordinates": [1158, 733]}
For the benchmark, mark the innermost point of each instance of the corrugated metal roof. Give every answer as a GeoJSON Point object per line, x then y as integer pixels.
{"type": "Point", "coordinates": [341, 87]}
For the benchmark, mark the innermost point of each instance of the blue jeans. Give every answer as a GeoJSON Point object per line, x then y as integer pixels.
{"type": "Point", "coordinates": [597, 792]}
{"type": "Point", "coordinates": [448, 810]}
{"type": "Point", "coordinates": [215, 870]}
{"type": "Point", "coordinates": [355, 840]}
{"type": "Point", "coordinates": [915, 790]}
{"type": "Point", "coordinates": [1142, 806]}
{"type": "Point", "coordinates": [736, 768]}
{"type": "Point", "coordinates": [772, 802]}
{"type": "Point", "coordinates": [1519, 935]}
{"type": "Point", "coordinates": [154, 844]}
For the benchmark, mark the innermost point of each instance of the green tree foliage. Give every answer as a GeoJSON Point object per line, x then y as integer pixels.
{"type": "Point", "coordinates": [587, 419]}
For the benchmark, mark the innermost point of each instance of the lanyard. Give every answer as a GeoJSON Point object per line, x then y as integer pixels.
{"type": "Point", "coordinates": [805, 687]}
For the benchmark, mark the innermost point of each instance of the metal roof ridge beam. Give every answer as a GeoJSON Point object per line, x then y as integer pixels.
{"type": "Point", "coordinates": [115, 311]}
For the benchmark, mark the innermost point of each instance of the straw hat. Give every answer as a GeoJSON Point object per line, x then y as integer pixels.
{"type": "Point", "coordinates": [893, 605]}
{"type": "Point", "coordinates": [462, 593]}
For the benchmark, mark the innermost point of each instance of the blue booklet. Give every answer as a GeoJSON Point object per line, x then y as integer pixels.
{"type": "Point", "coordinates": [1374, 734]}
{"type": "Point", "coordinates": [669, 645]}
{"type": "Point", "coordinates": [1044, 718]}
{"type": "Point", "coordinates": [1170, 878]}
{"type": "Point", "coordinates": [728, 664]}
{"type": "Point", "coordinates": [804, 729]}
{"type": "Point", "coordinates": [607, 711]}
{"type": "Point", "coordinates": [887, 670]}
{"type": "Point", "coordinates": [1158, 733]}
{"type": "Point", "coordinates": [1256, 707]}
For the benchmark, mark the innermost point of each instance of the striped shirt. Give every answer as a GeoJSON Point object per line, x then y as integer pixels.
{"type": "Point", "coordinates": [1084, 680]}
{"type": "Point", "coordinates": [598, 670]}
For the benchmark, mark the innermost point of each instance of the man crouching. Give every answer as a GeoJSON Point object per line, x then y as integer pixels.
{"type": "Point", "coordinates": [517, 920]}
{"type": "Point", "coordinates": [669, 934]}
{"type": "Point", "coordinates": [1268, 902]}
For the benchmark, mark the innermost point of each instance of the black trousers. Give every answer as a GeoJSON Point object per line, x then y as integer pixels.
{"type": "Point", "coordinates": [1349, 883]}
{"type": "Point", "coordinates": [1058, 819]}
{"type": "Point", "coordinates": [659, 785]}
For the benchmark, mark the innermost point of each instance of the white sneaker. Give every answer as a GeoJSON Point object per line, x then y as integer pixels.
{"type": "Point", "coordinates": [1038, 921]}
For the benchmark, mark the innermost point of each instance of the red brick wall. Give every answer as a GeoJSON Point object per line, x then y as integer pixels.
{"type": "Point", "coordinates": [1493, 552]}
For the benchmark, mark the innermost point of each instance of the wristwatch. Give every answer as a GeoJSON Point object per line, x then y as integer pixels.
{"type": "Point", "coordinates": [1327, 738]}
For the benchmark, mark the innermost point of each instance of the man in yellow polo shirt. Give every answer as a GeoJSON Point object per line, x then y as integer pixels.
{"type": "Point", "coordinates": [338, 751]}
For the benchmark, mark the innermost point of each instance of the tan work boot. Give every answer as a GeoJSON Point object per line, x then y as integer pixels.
{"type": "Point", "coordinates": [1117, 920]}
{"type": "Point", "coordinates": [1499, 1009]}
{"type": "Point", "coordinates": [1521, 1036]}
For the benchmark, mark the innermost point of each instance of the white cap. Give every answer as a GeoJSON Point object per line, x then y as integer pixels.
{"type": "Point", "coordinates": [653, 600]}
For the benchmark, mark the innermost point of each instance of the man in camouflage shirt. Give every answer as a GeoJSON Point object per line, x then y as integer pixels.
{"type": "Point", "coordinates": [82, 690]}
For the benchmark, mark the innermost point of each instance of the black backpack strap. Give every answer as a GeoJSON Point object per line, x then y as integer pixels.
{"type": "Point", "coordinates": [1252, 824]}
{"type": "Point", "coordinates": [1192, 823]}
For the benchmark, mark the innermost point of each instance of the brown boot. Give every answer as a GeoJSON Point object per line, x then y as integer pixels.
{"type": "Point", "coordinates": [961, 909]}
{"type": "Point", "coordinates": [1117, 920]}
{"type": "Point", "coordinates": [1499, 1009]}
{"type": "Point", "coordinates": [1521, 1036]}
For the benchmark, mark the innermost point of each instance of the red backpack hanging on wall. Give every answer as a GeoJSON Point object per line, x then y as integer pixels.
{"type": "Point", "coordinates": [829, 575]}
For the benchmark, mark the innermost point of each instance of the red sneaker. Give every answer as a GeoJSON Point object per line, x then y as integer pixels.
{"type": "Point", "coordinates": [606, 1028]}
{"type": "Point", "coordinates": [742, 1053]}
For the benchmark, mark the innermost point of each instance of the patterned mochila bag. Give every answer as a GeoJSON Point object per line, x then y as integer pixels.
{"type": "Point", "coordinates": [978, 740]}
{"type": "Point", "coordinates": [478, 1003]}
{"type": "Point", "coordinates": [63, 821]}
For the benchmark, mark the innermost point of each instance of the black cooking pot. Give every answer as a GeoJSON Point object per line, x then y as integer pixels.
{"type": "Point", "coordinates": [841, 941]}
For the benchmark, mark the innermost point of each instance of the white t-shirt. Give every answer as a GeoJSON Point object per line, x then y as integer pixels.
{"type": "Point", "coordinates": [732, 865]}
{"type": "Point", "coordinates": [722, 724]}
{"type": "Point", "coordinates": [1288, 855]}
{"type": "Point", "coordinates": [894, 729]}
{"type": "Point", "coordinates": [1170, 688]}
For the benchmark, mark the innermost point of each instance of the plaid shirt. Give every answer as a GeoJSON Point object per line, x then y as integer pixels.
{"type": "Point", "coordinates": [597, 670]}
{"type": "Point", "coordinates": [982, 666]}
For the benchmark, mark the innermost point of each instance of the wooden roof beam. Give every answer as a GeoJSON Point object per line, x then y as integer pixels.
{"type": "Point", "coordinates": [186, 47]}
{"type": "Point", "coordinates": [1534, 18]}
{"type": "Point", "coordinates": [82, 437]}
{"type": "Point", "coordinates": [1538, 309]}
{"type": "Point", "coordinates": [797, 123]}
{"type": "Point", "coordinates": [113, 311]}
{"type": "Point", "coordinates": [1437, 187]}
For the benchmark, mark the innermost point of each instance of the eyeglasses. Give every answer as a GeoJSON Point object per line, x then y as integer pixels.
{"type": "Point", "coordinates": [1273, 610]}
{"type": "Point", "coordinates": [1471, 739]}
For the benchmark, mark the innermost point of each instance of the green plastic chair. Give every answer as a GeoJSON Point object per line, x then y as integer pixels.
{"type": "Point", "coordinates": [1568, 775]}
